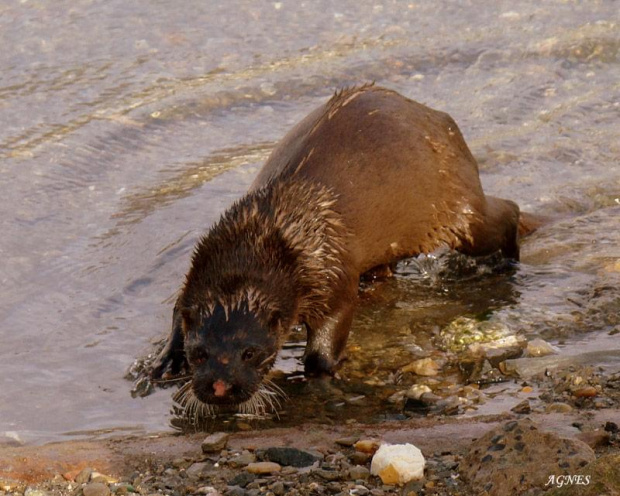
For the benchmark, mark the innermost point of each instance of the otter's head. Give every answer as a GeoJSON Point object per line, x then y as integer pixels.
{"type": "Point", "coordinates": [229, 352]}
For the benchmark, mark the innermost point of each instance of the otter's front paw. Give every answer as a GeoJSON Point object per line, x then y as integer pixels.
{"type": "Point", "coordinates": [168, 364]}
{"type": "Point", "coordinates": [316, 365]}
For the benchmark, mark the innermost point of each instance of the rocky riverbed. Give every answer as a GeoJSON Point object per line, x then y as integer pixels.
{"type": "Point", "coordinates": [563, 439]}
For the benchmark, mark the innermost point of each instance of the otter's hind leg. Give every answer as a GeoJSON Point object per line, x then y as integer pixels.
{"type": "Point", "coordinates": [172, 358]}
{"type": "Point", "coordinates": [497, 230]}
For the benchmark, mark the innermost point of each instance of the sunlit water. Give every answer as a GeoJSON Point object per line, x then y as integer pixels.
{"type": "Point", "coordinates": [126, 129]}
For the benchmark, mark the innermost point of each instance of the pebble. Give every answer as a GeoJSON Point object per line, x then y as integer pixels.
{"type": "Point", "coordinates": [96, 489]}
{"type": "Point", "coordinates": [215, 442]}
{"type": "Point", "coordinates": [263, 468]}
{"type": "Point", "coordinates": [540, 348]}
{"type": "Point", "coordinates": [242, 479]}
{"type": "Point", "coordinates": [359, 473]}
{"type": "Point", "coordinates": [328, 475]}
{"type": "Point", "coordinates": [416, 391]}
{"type": "Point", "coordinates": [522, 408]}
{"type": "Point", "coordinates": [369, 446]}
{"type": "Point", "coordinates": [292, 457]}
{"type": "Point", "coordinates": [360, 490]}
{"type": "Point", "coordinates": [99, 477]}
{"type": "Point", "coordinates": [347, 441]}
{"type": "Point", "coordinates": [585, 392]}
{"type": "Point", "coordinates": [424, 366]}
{"type": "Point", "coordinates": [242, 460]}
{"type": "Point", "coordinates": [398, 463]}
{"type": "Point", "coordinates": [559, 408]}
{"type": "Point", "coordinates": [207, 490]}
{"type": "Point", "coordinates": [83, 476]}
{"type": "Point", "coordinates": [196, 469]}
{"type": "Point", "coordinates": [235, 491]}
{"type": "Point", "coordinates": [278, 489]}
{"type": "Point", "coordinates": [595, 439]}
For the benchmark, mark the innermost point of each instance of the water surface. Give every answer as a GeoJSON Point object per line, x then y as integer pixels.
{"type": "Point", "coordinates": [127, 128]}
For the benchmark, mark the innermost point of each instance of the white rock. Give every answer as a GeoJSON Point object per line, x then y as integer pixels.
{"type": "Point", "coordinates": [398, 463]}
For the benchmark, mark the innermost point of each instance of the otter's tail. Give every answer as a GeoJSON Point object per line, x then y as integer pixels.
{"type": "Point", "coordinates": [528, 223]}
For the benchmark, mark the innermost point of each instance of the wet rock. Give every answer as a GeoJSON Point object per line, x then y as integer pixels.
{"type": "Point", "coordinates": [215, 442]}
{"type": "Point", "coordinates": [358, 473]}
{"type": "Point", "coordinates": [263, 468]}
{"type": "Point", "coordinates": [416, 391]}
{"type": "Point", "coordinates": [522, 408]}
{"type": "Point", "coordinates": [96, 489]}
{"type": "Point", "coordinates": [423, 367]}
{"type": "Point", "coordinates": [517, 457]}
{"type": "Point", "coordinates": [599, 477]}
{"type": "Point", "coordinates": [559, 408]}
{"type": "Point", "coordinates": [292, 457]}
{"type": "Point", "coordinates": [242, 479]}
{"type": "Point", "coordinates": [369, 446]}
{"type": "Point", "coordinates": [398, 463]}
{"type": "Point", "coordinates": [540, 348]}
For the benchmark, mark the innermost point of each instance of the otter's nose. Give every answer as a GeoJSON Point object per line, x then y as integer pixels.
{"type": "Point", "coordinates": [220, 388]}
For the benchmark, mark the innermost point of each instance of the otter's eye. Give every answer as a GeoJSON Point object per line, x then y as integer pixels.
{"type": "Point", "coordinates": [248, 354]}
{"type": "Point", "coordinates": [199, 357]}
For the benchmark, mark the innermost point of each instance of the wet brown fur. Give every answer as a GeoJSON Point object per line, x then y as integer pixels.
{"type": "Point", "coordinates": [367, 179]}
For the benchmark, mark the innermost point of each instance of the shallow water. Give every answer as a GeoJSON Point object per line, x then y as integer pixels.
{"type": "Point", "coordinates": [126, 129]}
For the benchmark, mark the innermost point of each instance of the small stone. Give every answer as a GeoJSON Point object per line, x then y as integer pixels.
{"type": "Point", "coordinates": [197, 469]}
{"type": "Point", "coordinates": [242, 460]}
{"type": "Point", "coordinates": [540, 348]}
{"type": "Point", "coordinates": [215, 442]}
{"type": "Point", "coordinates": [359, 473]}
{"type": "Point", "coordinates": [207, 490]}
{"type": "Point", "coordinates": [398, 463]}
{"type": "Point", "coordinates": [416, 391]}
{"type": "Point", "coordinates": [235, 491]}
{"type": "Point", "coordinates": [527, 389]}
{"type": "Point", "coordinates": [278, 489]}
{"type": "Point", "coordinates": [559, 408]}
{"type": "Point", "coordinates": [360, 490]}
{"type": "Point", "coordinates": [585, 392]}
{"type": "Point", "coordinates": [522, 408]}
{"type": "Point", "coordinates": [242, 480]}
{"type": "Point", "coordinates": [425, 367]}
{"type": "Point", "coordinates": [611, 427]}
{"type": "Point", "coordinates": [105, 479]}
{"type": "Point", "coordinates": [359, 458]}
{"type": "Point", "coordinates": [328, 475]}
{"type": "Point", "coordinates": [96, 489]}
{"type": "Point", "coordinates": [292, 457]}
{"type": "Point", "coordinates": [83, 476]}
{"type": "Point", "coordinates": [263, 468]}
{"type": "Point", "coordinates": [347, 441]}
{"type": "Point", "coordinates": [369, 446]}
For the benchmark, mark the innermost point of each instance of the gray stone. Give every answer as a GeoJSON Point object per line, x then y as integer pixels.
{"type": "Point", "coordinates": [359, 473]}
{"type": "Point", "coordinates": [278, 489]}
{"type": "Point", "coordinates": [83, 476]}
{"type": "Point", "coordinates": [196, 470]}
{"type": "Point", "coordinates": [242, 479]}
{"type": "Point", "coordinates": [292, 457]}
{"type": "Point", "coordinates": [215, 442]}
{"type": "Point", "coordinates": [96, 489]}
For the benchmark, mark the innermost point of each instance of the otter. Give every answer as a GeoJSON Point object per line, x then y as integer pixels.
{"type": "Point", "coordinates": [367, 179]}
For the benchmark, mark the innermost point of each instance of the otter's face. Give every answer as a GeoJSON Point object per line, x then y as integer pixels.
{"type": "Point", "coordinates": [228, 353]}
